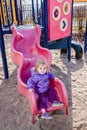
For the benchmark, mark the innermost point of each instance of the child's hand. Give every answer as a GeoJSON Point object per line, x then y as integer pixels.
{"type": "Point", "coordinates": [30, 90]}
{"type": "Point", "coordinates": [56, 78]}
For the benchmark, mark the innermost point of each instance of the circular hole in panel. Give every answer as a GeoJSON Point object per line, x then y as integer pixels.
{"type": "Point", "coordinates": [66, 8]}
{"type": "Point", "coordinates": [56, 13]}
{"type": "Point", "coordinates": [59, 0]}
{"type": "Point", "coordinates": [63, 24]}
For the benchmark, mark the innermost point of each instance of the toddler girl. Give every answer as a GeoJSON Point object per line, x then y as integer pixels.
{"type": "Point", "coordinates": [39, 82]}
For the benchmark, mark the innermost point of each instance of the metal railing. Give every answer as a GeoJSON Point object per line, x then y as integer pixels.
{"type": "Point", "coordinates": [6, 13]}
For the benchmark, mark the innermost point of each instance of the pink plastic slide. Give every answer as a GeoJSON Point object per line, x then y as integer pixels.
{"type": "Point", "coordinates": [26, 50]}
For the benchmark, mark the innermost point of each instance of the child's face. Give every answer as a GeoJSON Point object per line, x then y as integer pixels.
{"type": "Point", "coordinates": [42, 69]}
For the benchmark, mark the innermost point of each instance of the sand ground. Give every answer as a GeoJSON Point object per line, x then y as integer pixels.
{"type": "Point", "coordinates": [15, 113]}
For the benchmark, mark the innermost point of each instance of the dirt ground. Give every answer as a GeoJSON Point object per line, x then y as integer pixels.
{"type": "Point", "coordinates": [15, 112]}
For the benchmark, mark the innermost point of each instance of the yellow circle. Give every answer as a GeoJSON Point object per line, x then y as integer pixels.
{"type": "Point", "coordinates": [66, 8]}
{"type": "Point", "coordinates": [56, 13]}
{"type": "Point", "coordinates": [63, 24]}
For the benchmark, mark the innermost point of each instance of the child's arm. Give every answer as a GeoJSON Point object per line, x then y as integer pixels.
{"type": "Point", "coordinates": [31, 83]}
{"type": "Point", "coordinates": [52, 76]}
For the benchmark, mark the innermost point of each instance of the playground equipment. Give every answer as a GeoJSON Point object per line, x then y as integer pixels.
{"type": "Point", "coordinates": [59, 19]}
{"type": "Point", "coordinates": [85, 43]}
{"type": "Point", "coordinates": [2, 49]}
{"type": "Point", "coordinates": [55, 16]}
{"type": "Point", "coordinates": [77, 48]}
{"type": "Point", "coordinates": [25, 51]}
{"type": "Point", "coordinates": [8, 12]}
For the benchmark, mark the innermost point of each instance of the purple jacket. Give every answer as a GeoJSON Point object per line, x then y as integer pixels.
{"type": "Point", "coordinates": [39, 82]}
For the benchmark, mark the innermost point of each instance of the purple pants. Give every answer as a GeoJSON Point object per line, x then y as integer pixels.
{"type": "Point", "coordinates": [50, 94]}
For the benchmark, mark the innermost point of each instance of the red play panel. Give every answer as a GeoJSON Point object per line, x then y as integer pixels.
{"type": "Point", "coordinates": [59, 19]}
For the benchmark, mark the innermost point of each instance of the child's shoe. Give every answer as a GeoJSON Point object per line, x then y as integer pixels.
{"type": "Point", "coordinates": [57, 104]}
{"type": "Point", "coordinates": [46, 116]}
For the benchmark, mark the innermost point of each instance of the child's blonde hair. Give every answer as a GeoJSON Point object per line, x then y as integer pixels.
{"type": "Point", "coordinates": [40, 62]}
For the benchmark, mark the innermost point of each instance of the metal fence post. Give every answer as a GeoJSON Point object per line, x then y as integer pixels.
{"type": "Point", "coordinates": [3, 52]}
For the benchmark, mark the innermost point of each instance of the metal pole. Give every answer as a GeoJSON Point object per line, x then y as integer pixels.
{"type": "Point", "coordinates": [42, 13]}
{"type": "Point", "coordinates": [33, 14]}
{"type": "Point", "coordinates": [3, 52]}
{"type": "Point", "coordinates": [16, 10]}
{"type": "Point", "coordinates": [85, 43]}
{"type": "Point", "coordinates": [21, 17]}
{"type": "Point", "coordinates": [46, 22]}
{"type": "Point", "coordinates": [70, 37]}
